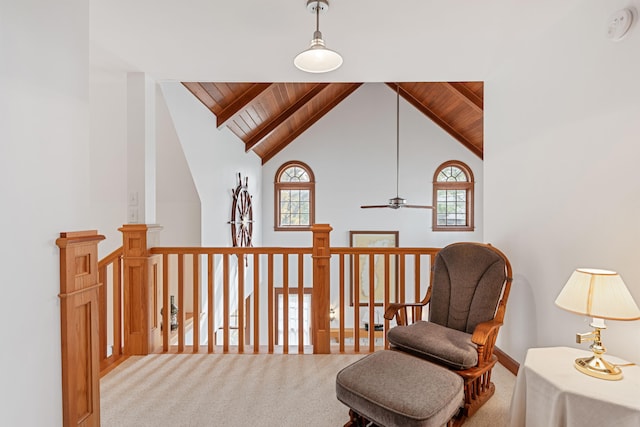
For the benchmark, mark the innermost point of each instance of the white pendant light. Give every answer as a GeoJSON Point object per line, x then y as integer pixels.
{"type": "Point", "coordinates": [317, 58]}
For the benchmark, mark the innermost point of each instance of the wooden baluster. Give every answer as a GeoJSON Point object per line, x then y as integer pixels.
{"type": "Point", "coordinates": [196, 303]}
{"type": "Point", "coordinates": [270, 310]}
{"type": "Point", "coordinates": [342, 304]}
{"type": "Point", "coordinates": [117, 308]}
{"type": "Point", "coordinates": [300, 304]}
{"type": "Point", "coordinates": [285, 303]}
{"type": "Point", "coordinates": [387, 297]}
{"type": "Point", "coordinates": [256, 303]}
{"type": "Point", "coordinates": [416, 274]}
{"type": "Point", "coordinates": [402, 278]}
{"type": "Point", "coordinates": [166, 304]}
{"type": "Point", "coordinates": [356, 303]}
{"type": "Point", "coordinates": [372, 302]}
{"type": "Point", "coordinates": [181, 304]}
{"type": "Point", "coordinates": [240, 309]}
{"type": "Point", "coordinates": [225, 303]}
{"type": "Point", "coordinates": [102, 319]}
{"type": "Point", "coordinates": [211, 335]}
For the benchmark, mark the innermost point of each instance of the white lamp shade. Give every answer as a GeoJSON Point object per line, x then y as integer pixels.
{"type": "Point", "coordinates": [598, 293]}
{"type": "Point", "coordinates": [318, 59]}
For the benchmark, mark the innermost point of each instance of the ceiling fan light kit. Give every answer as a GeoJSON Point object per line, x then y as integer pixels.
{"type": "Point", "coordinates": [397, 202]}
{"type": "Point", "coordinates": [318, 58]}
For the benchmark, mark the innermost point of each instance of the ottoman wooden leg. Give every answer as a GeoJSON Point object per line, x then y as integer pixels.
{"type": "Point", "coordinates": [357, 420]}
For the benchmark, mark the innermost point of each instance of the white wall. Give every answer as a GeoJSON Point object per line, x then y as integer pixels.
{"type": "Point", "coordinates": [562, 127]}
{"type": "Point", "coordinates": [45, 189]}
{"type": "Point", "coordinates": [108, 135]}
{"type": "Point", "coordinates": [352, 152]}
{"type": "Point", "coordinates": [178, 203]}
{"type": "Point", "coordinates": [214, 157]}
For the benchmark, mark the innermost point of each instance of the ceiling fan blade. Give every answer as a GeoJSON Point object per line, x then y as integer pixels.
{"type": "Point", "coordinates": [374, 206]}
{"type": "Point", "coordinates": [418, 206]}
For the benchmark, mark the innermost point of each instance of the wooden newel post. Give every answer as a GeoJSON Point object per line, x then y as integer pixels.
{"type": "Point", "coordinates": [79, 312]}
{"type": "Point", "coordinates": [320, 296]}
{"type": "Point", "coordinates": [141, 290]}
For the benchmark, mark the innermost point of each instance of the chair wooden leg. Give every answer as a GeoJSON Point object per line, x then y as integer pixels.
{"type": "Point", "coordinates": [476, 392]}
{"type": "Point", "coordinates": [458, 419]}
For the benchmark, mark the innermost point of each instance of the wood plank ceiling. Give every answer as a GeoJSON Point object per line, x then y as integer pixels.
{"type": "Point", "coordinates": [269, 116]}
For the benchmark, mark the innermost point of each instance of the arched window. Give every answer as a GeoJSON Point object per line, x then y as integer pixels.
{"type": "Point", "coordinates": [453, 197]}
{"type": "Point", "coordinates": [294, 197]}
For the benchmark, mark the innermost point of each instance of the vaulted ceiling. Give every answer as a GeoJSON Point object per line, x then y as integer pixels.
{"type": "Point", "coordinates": [267, 117]}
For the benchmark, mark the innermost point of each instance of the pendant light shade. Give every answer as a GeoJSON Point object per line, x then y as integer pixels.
{"type": "Point", "coordinates": [317, 58]}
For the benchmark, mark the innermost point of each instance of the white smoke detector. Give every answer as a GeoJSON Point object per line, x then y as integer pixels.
{"type": "Point", "coordinates": [619, 24]}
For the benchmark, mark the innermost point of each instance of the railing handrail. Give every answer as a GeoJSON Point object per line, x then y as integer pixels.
{"type": "Point", "coordinates": [200, 250]}
{"type": "Point", "coordinates": [111, 257]}
{"type": "Point", "coordinates": [112, 280]}
{"type": "Point", "coordinates": [259, 250]}
{"type": "Point", "coordinates": [383, 250]}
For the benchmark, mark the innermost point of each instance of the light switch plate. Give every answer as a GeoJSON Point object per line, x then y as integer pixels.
{"type": "Point", "coordinates": [132, 216]}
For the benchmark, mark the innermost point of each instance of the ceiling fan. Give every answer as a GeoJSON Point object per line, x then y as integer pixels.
{"type": "Point", "coordinates": [397, 202]}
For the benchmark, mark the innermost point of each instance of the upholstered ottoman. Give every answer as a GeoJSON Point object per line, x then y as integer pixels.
{"type": "Point", "coordinates": [395, 389]}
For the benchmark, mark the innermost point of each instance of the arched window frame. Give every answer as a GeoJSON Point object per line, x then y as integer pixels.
{"type": "Point", "coordinates": [280, 186]}
{"type": "Point", "coordinates": [467, 186]}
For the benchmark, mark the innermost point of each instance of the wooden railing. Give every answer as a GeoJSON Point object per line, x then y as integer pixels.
{"type": "Point", "coordinates": [403, 273]}
{"type": "Point", "coordinates": [79, 330]}
{"type": "Point", "coordinates": [229, 282]}
{"type": "Point", "coordinates": [110, 308]}
{"type": "Point", "coordinates": [249, 300]}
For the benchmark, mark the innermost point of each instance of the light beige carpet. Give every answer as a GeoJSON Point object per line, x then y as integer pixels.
{"type": "Point", "coordinates": [182, 390]}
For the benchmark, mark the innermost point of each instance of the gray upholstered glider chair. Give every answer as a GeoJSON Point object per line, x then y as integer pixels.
{"type": "Point", "coordinates": [466, 304]}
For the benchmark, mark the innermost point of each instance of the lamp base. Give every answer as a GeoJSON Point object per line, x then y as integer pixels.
{"type": "Point", "coordinates": [596, 366]}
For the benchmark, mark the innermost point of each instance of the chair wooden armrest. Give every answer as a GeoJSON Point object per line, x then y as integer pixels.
{"type": "Point", "coordinates": [484, 331]}
{"type": "Point", "coordinates": [484, 336]}
{"type": "Point", "coordinates": [477, 371]}
{"type": "Point", "coordinates": [400, 311]}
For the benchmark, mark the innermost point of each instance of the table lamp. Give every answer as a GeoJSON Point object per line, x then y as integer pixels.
{"type": "Point", "coordinates": [600, 294]}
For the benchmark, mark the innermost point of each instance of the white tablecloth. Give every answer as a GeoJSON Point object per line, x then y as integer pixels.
{"type": "Point", "coordinates": [551, 392]}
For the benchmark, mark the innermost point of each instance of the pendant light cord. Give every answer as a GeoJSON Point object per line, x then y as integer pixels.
{"type": "Point", "coordinates": [318, 16]}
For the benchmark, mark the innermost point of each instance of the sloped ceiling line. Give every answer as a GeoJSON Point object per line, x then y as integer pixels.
{"type": "Point", "coordinates": [427, 111]}
{"type": "Point", "coordinates": [278, 120]}
{"type": "Point", "coordinates": [328, 106]}
{"type": "Point", "coordinates": [269, 116]}
{"type": "Point", "coordinates": [240, 103]}
{"type": "Point", "coordinates": [472, 100]}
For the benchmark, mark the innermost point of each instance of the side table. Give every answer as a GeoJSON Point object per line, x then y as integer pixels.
{"type": "Point", "coordinates": [550, 391]}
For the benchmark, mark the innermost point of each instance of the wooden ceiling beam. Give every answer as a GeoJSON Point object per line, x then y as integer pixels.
{"type": "Point", "coordinates": [273, 124]}
{"type": "Point", "coordinates": [470, 98]}
{"type": "Point", "coordinates": [201, 94]}
{"type": "Point", "coordinates": [240, 103]}
{"type": "Point", "coordinates": [310, 121]}
{"type": "Point", "coordinates": [437, 120]}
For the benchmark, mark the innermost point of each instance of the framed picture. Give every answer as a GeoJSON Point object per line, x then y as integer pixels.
{"type": "Point", "coordinates": [374, 239]}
